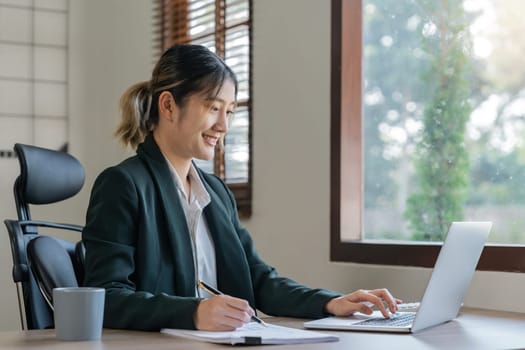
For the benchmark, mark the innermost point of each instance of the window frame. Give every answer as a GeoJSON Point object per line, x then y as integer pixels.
{"type": "Point", "coordinates": [171, 27]}
{"type": "Point", "coordinates": [346, 162]}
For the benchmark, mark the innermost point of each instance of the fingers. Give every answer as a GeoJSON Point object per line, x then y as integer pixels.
{"type": "Point", "coordinates": [222, 312]}
{"type": "Point", "coordinates": [363, 301]}
{"type": "Point", "coordinates": [226, 313]}
{"type": "Point", "coordinates": [377, 298]}
{"type": "Point", "coordinates": [385, 296]}
{"type": "Point", "coordinates": [364, 308]}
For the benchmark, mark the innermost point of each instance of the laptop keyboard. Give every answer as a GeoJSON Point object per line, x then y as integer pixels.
{"type": "Point", "coordinates": [396, 320]}
{"type": "Point", "coordinates": [408, 306]}
{"type": "Point", "coordinates": [412, 306]}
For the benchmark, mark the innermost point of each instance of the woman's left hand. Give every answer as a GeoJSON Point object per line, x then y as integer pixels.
{"type": "Point", "coordinates": [361, 301]}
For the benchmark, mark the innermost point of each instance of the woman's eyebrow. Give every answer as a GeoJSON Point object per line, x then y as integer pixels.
{"type": "Point", "coordinates": [218, 99]}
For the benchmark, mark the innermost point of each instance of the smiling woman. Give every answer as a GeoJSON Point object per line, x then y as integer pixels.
{"type": "Point", "coordinates": [157, 224]}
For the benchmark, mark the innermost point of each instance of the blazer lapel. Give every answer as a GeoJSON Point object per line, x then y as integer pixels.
{"type": "Point", "coordinates": [233, 275]}
{"type": "Point", "coordinates": [177, 228]}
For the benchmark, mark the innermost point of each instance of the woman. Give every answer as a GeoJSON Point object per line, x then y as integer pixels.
{"type": "Point", "coordinates": [156, 224]}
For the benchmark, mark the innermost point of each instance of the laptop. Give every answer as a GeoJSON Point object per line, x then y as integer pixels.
{"type": "Point", "coordinates": [443, 295]}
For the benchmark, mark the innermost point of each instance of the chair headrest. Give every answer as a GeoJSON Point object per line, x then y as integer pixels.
{"type": "Point", "coordinates": [48, 176]}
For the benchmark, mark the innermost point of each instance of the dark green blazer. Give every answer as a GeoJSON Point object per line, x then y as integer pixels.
{"type": "Point", "coordinates": [138, 248]}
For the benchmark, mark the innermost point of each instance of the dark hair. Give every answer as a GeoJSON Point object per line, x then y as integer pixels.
{"type": "Point", "coordinates": [184, 70]}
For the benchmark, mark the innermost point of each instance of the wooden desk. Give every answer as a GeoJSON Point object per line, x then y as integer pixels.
{"type": "Point", "coordinates": [473, 329]}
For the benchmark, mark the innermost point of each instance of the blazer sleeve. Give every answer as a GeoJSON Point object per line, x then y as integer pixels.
{"type": "Point", "coordinates": [110, 238]}
{"type": "Point", "coordinates": [276, 295]}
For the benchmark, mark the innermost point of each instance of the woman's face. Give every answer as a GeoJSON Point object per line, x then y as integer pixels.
{"type": "Point", "coordinates": [199, 125]}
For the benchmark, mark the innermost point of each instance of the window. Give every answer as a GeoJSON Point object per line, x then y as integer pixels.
{"type": "Point", "coordinates": [399, 70]}
{"type": "Point", "coordinates": [223, 26]}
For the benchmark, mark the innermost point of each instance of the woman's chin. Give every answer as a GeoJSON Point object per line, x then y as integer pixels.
{"type": "Point", "coordinates": [205, 156]}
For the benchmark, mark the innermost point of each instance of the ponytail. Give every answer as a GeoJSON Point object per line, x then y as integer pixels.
{"type": "Point", "coordinates": [135, 106]}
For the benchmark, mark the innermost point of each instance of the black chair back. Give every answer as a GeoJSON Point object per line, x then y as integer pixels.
{"type": "Point", "coordinates": [51, 265]}
{"type": "Point", "coordinates": [46, 177]}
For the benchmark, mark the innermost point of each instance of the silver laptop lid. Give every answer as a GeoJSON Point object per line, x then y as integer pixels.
{"type": "Point", "coordinates": [452, 273]}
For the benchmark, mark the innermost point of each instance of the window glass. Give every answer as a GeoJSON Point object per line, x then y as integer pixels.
{"type": "Point", "coordinates": [443, 117]}
{"type": "Point", "coordinates": [236, 145]}
{"type": "Point", "coordinates": [201, 17]}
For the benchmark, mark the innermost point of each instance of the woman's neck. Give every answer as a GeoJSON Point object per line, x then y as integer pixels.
{"type": "Point", "coordinates": [181, 164]}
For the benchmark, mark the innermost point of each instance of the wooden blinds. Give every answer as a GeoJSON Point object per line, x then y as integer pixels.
{"type": "Point", "coordinates": [224, 27]}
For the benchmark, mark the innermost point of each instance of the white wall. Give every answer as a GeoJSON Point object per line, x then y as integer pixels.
{"type": "Point", "coordinates": [110, 50]}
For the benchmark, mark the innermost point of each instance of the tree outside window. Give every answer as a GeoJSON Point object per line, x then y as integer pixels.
{"type": "Point", "coordinates": [428, 116]}
{"type": "Point", "coordinates": [444, 113]}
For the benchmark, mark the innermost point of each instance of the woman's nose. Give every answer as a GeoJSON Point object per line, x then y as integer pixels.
{"type": "Point", "coordinates": [222, 122]}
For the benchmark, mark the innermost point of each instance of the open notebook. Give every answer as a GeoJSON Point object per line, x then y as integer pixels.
{"type": "Point", "coordinates": [254, 334]}
{"type": "Point", "coordinates": [445, 291]}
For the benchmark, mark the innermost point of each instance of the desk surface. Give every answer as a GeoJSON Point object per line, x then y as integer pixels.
{"type": "Point", "coordinates": [473, 329]}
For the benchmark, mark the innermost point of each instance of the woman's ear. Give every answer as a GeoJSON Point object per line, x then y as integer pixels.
{"type": "Point", "coordinates": [166, 105]}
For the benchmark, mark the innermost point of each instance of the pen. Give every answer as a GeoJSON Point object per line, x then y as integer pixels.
{"type": "Point", "coordinates": [214, 291]}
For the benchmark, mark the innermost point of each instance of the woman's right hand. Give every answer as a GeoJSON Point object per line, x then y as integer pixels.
{"type": "Point", "coordinates": [222, 313]}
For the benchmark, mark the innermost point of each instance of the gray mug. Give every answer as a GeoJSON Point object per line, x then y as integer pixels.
{"type": "Point", "coordinates": [78, 312]}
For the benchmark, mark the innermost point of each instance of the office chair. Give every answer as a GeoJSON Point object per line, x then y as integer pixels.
{"type": "Point", "coordinates": [46, 177]}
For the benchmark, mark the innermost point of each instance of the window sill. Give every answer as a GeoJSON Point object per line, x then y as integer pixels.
{"type": "Point", "coordinates": [495, 257]}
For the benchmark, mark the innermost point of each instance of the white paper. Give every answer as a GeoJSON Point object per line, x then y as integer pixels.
{"type": "Point", "coordinates": [255, 333]}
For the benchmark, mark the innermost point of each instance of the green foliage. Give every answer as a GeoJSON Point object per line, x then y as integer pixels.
{"type": "Point", "coordinates": [427, 179]}
{"type": "Point", "coordinates": [441, 161]}
{"type": "Point", "coordinates": [385, 76]}
{"type": "Point", "coordinates": [497, 179]}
